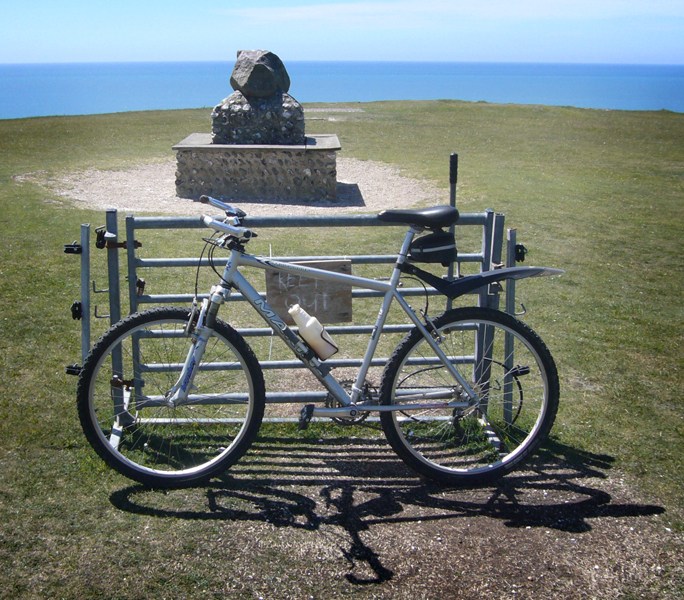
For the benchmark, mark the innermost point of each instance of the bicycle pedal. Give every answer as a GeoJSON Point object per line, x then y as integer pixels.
{"type": "Point", "coordinates": [305, 416]}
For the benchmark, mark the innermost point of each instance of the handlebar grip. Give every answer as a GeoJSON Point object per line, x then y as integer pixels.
{"type": "Point", "coordinates": [239, 232]}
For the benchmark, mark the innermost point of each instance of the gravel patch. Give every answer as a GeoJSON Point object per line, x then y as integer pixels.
{"type": "Point", "coordinates": [363, 186]}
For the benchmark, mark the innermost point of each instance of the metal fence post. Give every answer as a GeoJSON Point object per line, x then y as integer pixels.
{"type": "Point", "coordinates": [509, 358]}
{"type": "Point", "coordinates": [113, 267]}
{"type": "Point", "coordinates": [114, 301]}
{"type": "Point", "coordinates": [132, 267]}
{"type": "Point", "coordinates": [453, 178]}
{"type": "Point", "coordinates": [85, 291]}
{"type": "Point", "coordinates": [491, 247]}
{"type": "Point", "coordinates": [487, 236]}
{"type": "Point", "coordinates": [495, 259]}
{"type": "Point", "coordinates": [511, 240]}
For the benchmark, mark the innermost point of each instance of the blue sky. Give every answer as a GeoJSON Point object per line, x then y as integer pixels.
{"type": "Point", "coordinates": [570, 31]}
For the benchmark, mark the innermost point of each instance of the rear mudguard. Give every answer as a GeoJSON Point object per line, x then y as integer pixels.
{"type": "Point", "coordinates": [469, 283]}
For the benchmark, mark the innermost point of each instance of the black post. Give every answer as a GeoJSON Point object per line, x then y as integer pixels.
{"type": "Point", "coordinates": [453, 177]}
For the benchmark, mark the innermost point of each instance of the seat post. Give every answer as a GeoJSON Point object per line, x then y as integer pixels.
{"type": "Point", "coordinates": [404, 252]}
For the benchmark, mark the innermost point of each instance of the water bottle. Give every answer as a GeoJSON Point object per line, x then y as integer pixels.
{"type": "Point", "coordinates": [313, 333]}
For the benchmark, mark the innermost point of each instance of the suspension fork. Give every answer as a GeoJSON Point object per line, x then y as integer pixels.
{"type": "Point", "coordinates": [200, 338]}
{"type": "Point", "coordinates": [201, 333]}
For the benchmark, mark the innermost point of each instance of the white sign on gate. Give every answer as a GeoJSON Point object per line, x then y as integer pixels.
{"type": "Point", "coordinates": [329, 302]}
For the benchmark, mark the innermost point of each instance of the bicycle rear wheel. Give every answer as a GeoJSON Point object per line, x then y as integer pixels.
{"type": "Point", "coordinates": [515, 381]}
{"type": "Point", "coordinates": [129, 423]}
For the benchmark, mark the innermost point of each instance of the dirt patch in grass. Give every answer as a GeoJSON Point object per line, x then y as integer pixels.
{"type": "Point", "coordinates": [363, 186]}
{"type": "Point", "coordinates": [343, 517]}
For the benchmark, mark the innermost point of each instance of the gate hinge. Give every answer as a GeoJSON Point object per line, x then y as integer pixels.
{"type": "Point", "coordinates": [124, 245]}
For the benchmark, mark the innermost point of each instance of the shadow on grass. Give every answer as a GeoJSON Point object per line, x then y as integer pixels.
{"type": "Point", "coordinates": [308, 484]}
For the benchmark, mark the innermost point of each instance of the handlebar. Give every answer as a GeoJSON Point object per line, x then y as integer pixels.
{"type": "Point", "coordinates": [231, 211]}
{"type": "Point", "coordinates": [240, 233]}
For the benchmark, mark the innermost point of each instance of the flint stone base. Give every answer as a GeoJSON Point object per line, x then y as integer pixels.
{"type": "Point", "coordinates": [306, 172]}
{"type": "Point", "coordinates": [277, 119]}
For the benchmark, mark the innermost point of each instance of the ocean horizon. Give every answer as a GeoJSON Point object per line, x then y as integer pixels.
{"type": "Point", "coordinates": [36, 90]}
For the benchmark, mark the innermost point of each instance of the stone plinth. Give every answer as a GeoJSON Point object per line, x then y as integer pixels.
{"type": "Point", "coordinates": [306, 172]}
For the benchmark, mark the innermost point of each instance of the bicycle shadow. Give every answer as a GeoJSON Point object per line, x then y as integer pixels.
{"type": "Point", "coordinates": [367, 486]}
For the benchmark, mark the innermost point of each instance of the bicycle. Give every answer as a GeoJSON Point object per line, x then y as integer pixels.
{"type": "Point", "coordinates": [171, 397]}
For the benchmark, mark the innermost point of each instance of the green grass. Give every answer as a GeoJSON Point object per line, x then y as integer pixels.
{"type": "Point", "coordinates": [597, 193]}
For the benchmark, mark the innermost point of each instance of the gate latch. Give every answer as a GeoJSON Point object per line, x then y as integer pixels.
{"type": "Point", "coordinates": [77, 311]}
{"type": "Point", "coordinates": [109, 245]}
{"type": "Point", "coordinates": [73, 248]}
{"type": "Point", "coordinates": [105, 239]}
{"type": "Point", "coordinates": [74, 369]}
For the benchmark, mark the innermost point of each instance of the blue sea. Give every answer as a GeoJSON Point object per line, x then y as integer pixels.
{"type": "Point", "coordinates": [74, 89]}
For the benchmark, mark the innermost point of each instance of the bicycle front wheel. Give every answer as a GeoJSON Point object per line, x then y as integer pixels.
{"type": "Point", "coordinates": [475, 440]}
{"type": "Point", "coordinates": [127, 418]}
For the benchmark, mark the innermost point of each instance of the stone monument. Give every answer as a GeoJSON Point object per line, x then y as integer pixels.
{"type": "Point", "coordinates": [258, 149]}
{"type": "Point", "coordinates": [260, 111]}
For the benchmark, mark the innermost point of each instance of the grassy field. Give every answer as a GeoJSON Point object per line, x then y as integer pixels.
{"type": "Point", "coordinates": [597, 193]}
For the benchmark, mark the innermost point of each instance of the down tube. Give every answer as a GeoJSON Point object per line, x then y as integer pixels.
{"type": "Point", "coordinates": [320, 370]}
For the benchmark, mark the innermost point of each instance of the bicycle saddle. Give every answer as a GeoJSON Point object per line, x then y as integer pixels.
{"type": "Point", "coordinates": [431, 218]}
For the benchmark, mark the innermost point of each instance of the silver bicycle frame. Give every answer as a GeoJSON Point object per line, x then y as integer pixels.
{"type": "Point", "coordinates": [349, 406]}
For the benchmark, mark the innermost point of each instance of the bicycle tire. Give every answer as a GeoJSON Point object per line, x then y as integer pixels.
{"type": "Point", "coordinates": [127, 421]}
{"type": "Point", "coordinates": [517, 397]}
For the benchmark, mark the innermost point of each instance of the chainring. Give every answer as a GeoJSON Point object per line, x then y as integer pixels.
{"type": "Point", "coordinates": [370, 394]}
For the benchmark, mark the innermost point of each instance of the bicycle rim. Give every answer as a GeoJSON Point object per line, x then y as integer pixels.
{"type": "Point", "coordinates": [126, 415]}
{"type": "Point", "coordinates": [516, 397]}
